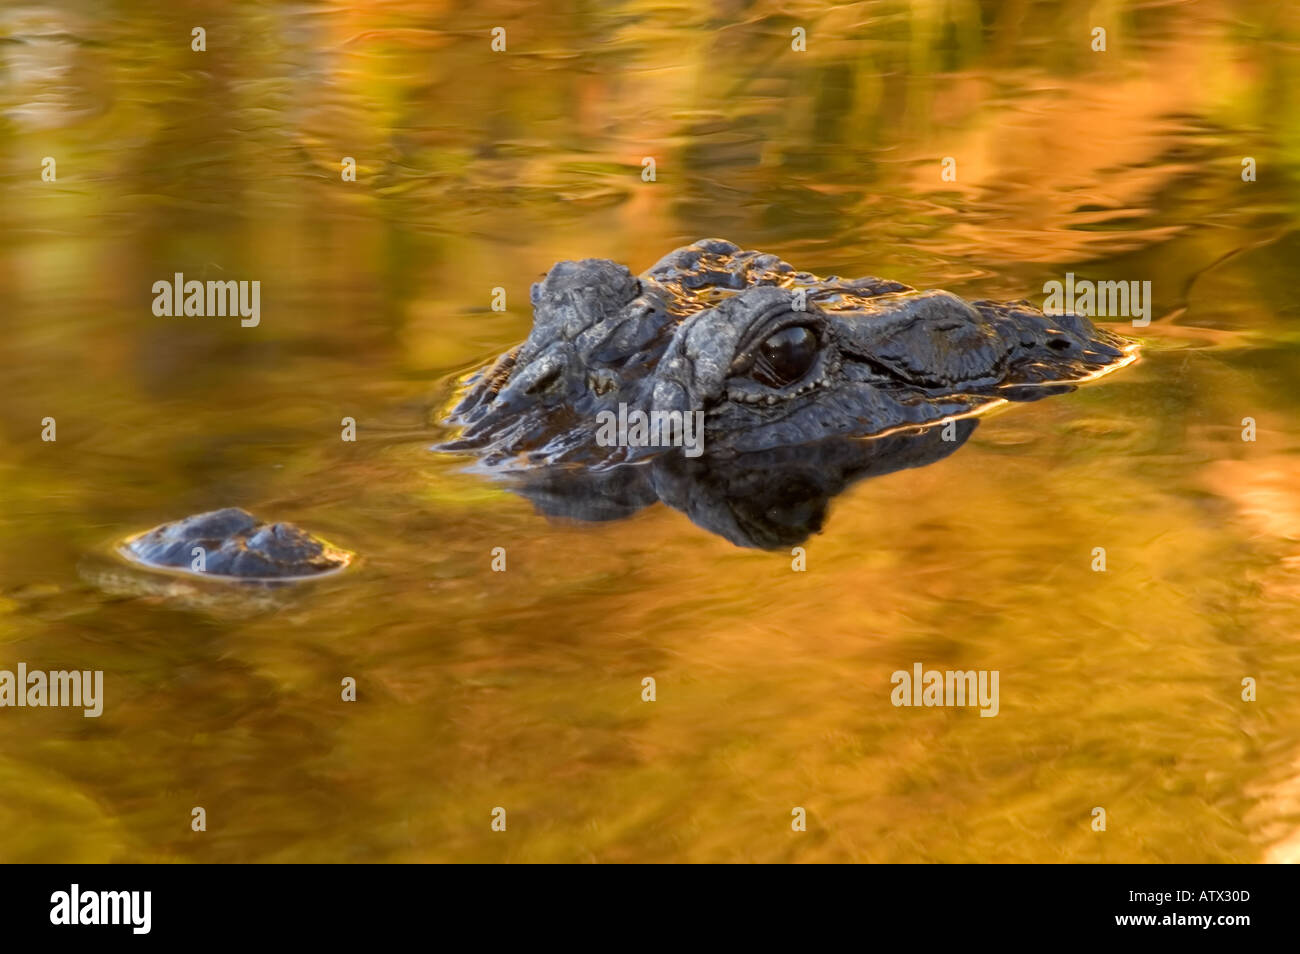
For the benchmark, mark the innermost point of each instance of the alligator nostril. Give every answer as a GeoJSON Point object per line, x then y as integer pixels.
{"type": "Point", "coordinates": [547, 378]}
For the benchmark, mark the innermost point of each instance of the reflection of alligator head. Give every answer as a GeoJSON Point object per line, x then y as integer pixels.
{"type": "Point", "coordinates": [766, 357]}
{"type": "Point", "coordinates": [803, 385]}
{"type": "Point", "coordinates": [768, 499]}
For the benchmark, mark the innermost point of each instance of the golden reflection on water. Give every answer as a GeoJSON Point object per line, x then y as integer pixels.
{"type": "Point", "coordinates": [522, 689]}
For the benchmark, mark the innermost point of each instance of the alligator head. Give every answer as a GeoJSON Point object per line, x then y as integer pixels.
{"type": "Point", "coordinates": [763, 356]}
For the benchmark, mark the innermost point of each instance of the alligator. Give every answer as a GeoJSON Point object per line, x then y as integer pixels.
{"type": "Point", "coordinates": [765, 356]}
{"type": "Point", "coordinates": [232, 544]}
{"type": "Point", "coordinates": [799, 386]}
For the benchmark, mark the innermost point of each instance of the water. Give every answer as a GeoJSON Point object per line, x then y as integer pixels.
{"type": "Point", "coordinates": [522, 689]}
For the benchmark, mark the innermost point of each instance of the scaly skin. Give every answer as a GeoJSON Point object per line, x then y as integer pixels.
{"type": "Point", "coordinates": [715, 329]}
{"type": "Point", "coordinates": [235, 546]}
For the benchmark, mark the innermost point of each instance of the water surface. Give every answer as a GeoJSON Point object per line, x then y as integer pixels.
{"type": "Point", "coordinates": [522, 689]}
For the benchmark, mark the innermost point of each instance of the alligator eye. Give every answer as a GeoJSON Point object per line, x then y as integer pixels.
{"type": "Point", "coordinates": [786, 356]}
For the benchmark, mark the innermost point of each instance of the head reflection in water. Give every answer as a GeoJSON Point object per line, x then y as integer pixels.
{"type": "Point", "coordinates": [746, 394]}
{"type": "Point", "coordinates": [769, 500]}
